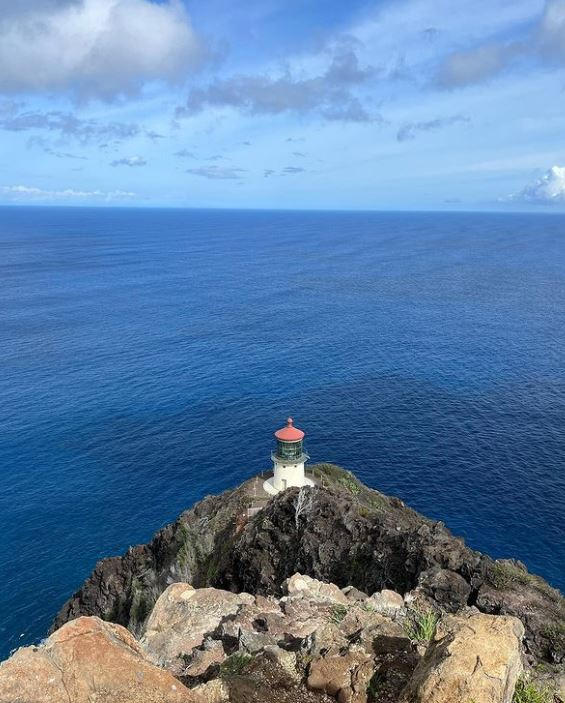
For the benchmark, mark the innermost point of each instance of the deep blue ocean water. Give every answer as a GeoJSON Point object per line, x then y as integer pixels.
{"type": "Point", "coordinates": [147, 356]}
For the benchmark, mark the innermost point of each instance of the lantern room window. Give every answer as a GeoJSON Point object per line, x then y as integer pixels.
{"type": "Point", "coordinates": [289, 450]}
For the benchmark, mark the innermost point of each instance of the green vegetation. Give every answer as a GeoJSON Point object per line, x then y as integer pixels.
{"type": "Point", "coordinates": [421, 625]}
{"type": "Point", "coordinates": [555, 633]}
{"type": "Point", "coordinates": [351, 484]}
{"type": "Point", "coordinates": [185, 552]}
{"type": "Point", "coordinates": [377, 501]}
{"type": "Point", "coordinates": [304, 659]}
{"type": "Point", "coordinates": [503, 574]}
{"type": "Point", "coordinates": [235, 665]}
{"type": "Point", "coordinates": [338, 613]}
{"type": "Point", "coordinates": [141, 603]}
{"type": "Point", "coordinates": [506, 574]}
{"type": "Point", "coordinates": [527, 692]}
{"type": "Point", "coordinates": [331, 471]}
{"type": "Point", "coordinates": [374, 686]}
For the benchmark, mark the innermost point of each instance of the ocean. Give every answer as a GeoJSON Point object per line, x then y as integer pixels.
{"type": "Point", "coordinates": [148, 355]}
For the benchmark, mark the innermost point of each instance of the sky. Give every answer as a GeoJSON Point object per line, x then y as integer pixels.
{"type": "Point", "coordinates": [390, 104]}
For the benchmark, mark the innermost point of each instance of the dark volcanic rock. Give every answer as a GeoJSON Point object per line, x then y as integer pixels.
{"type": "Point", "coordinates": [344, 533]}
{"type": "Point", "coordinates": [124, 589]}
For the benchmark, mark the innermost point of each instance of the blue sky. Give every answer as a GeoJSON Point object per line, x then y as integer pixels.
{"type": "Point", "coordinates": [400, 104]}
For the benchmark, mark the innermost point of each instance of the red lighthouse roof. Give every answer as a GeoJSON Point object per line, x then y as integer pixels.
{"type": "Point", "coordinates": [290, 433]}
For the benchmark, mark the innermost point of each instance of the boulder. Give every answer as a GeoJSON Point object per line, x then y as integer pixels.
{"type": "Point", "coordinates": [345, 677]}
{"type": "Point", "coordinates": [88, 660]}
{"type": "Point", "coordinates": [447, 588]}
{"type": "Point", "coordinates": [181, 619]}
{"type": "Point", "coordinates": [210, 654]}
{"type": "Point", "coordinates": [299, 586]}
{"type": "Point", "coordinates": [214, 691]}
{"type": "Point", "coordinates": [286, 660]}
{"type": "Point", "coordinates": [385, 602]}
{"type": "Point", "coordinates": [474, 658]}
{"type": "Point", "coordinates": [354, 594]}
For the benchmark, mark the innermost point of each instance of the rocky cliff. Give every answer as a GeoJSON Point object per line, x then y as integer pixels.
{"type": "Point", "coordinates": [317, 643]}
{"type": "Point", "coordinates": [334, 592]}
{"type": "Point", "coordinates": [341, 532]}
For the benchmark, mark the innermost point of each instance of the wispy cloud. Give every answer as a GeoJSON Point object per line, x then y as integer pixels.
{"type": "Point", "coordinates": [132, 161]}
{"type": "Point", "coordinates": [185, 154]}
{"type": "Point", "coordinates": [32, 193]}
{"type": "Point", "coordinates": [544, 41]}
{"type": "Point", "coordinates": [330, 94]}
{"type": "Point", "coordinates": [44, 145]}
{"type": "Point", "coordinates": [66, 125]}
{"type": "Point", "coordinates": [155, 136]}
{"type": "Point", "coordinates": [286, 171]}
{"type": "Point", "coordinates": [409, 130]}
{"type": "Point", "coordinates": [217, 173]}
{"type": "Point", "coordinates": [111, 47]}
{"type": "Point", "coordinates": [293, 169]}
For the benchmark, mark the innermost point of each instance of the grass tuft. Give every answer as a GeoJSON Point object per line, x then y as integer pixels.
{"type": "Point", "coordinates": [421, 625]}
{"type": "Point", "coordinates": [528, 692]}
{"type": "Point", "coordinates": [338, 613]}
{"type": "Point", "coordinates": [235, 665]}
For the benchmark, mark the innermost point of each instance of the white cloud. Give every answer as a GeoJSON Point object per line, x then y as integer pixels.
{"type": "Point", "coordinates": [95, 48]}
{"type": "Point", "coordinates": [549, 189]}
{"type": "Point", "coordinates": [31, 193]}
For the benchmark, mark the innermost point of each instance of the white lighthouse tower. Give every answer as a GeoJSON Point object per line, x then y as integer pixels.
{"type": "Point", "coordinates": [288, 458]}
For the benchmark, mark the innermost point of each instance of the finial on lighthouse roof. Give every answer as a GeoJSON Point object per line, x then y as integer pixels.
{"type": "Point", "coordinates": [289, 433]}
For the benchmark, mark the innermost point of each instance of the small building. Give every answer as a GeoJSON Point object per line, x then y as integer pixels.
{"type": "Point", "coordinates": [288, 458]}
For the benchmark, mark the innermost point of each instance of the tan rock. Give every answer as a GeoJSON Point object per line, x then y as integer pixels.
{"type": "Point", "coordinates": [299, 586]}
{"type": "Point", "coordinates": [87, 661]}
{"type": "Point", "coordinates": [214, 691]}
{"type": "Point", "coordinates": [345, 677]}
{"type": "Point", "coordinates": [182, 617]}
{"type": "Point", "coordinates": [385, 602]}
{"type": "Point", "coordinates": [474, 658]}
{"type": "Point", "coordinates": [286, 660]}
{"type": "Point", "coordinates": [202, 659]}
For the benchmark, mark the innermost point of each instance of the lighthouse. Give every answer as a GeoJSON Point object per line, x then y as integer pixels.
{"type": "Point", "coordinates": [288, 458]}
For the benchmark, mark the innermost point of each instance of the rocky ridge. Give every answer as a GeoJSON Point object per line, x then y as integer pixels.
{"type": "Point", "coordinates": [229, 605]}
{"type": "Point", "coordinates": [315, 644]}
{"type": "Point", "coordinates": [343, 533]}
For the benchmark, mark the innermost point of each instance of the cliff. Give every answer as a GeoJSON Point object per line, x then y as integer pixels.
{"type": "Point", "coordinates": [330, 593]}
{"type": "Point", "coordinates": [344, 533]}
{"type": "Point", "coordinates": [315, 644]}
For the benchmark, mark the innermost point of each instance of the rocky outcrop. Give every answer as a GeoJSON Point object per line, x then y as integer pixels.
{"type": "Point", "coordinates": [88, 660]}
{"type": "Point", "coordinates": [473, 658]}
{"type": "Point", "coordinates": [316, 643]}
{"type": "Point", "coordinates": [181, 619]}
{"type": "Point", "coordinates": [344, 533]}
